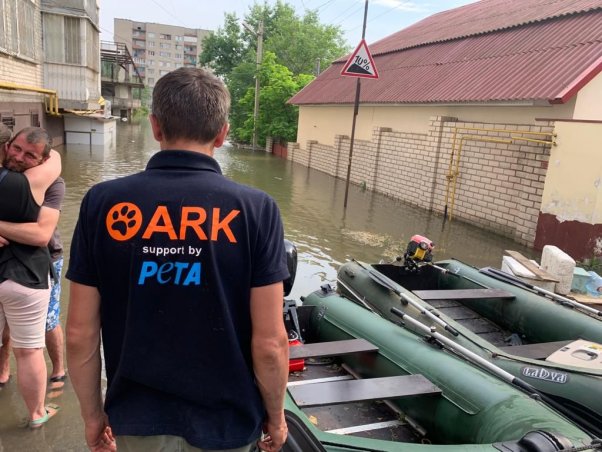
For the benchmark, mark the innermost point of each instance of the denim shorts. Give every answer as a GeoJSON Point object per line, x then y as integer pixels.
{"type": "Point", "coordinates": [54, 306]}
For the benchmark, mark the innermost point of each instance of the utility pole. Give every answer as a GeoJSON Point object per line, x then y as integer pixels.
{"type": "Point", "coordinates": [259, 57]}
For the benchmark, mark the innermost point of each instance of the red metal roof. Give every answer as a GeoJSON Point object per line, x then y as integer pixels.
{"type": "Point", "coordinates": [480, 17]}
{"type": "Point", "coordinates": [493, 50]}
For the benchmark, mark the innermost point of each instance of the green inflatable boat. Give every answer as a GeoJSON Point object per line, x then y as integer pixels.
{"type": "Point", "coordinates": [359, 382]}
{"type": "Point", "coordinates": [368, 385]}
{"type": "Point", "coordinates": [549, 342]}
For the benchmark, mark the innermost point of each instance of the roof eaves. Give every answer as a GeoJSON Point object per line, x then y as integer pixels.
{"type": "Point", "coordinates": [573, 88]}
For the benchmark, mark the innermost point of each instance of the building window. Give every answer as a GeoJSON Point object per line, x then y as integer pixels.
{"type": "Point", "coordinates": [72, 40]}
{"type": "Point", "coordinates": [179, 47]}
{"type": "Point", "coordinates": [165, 54]}
{"type": "Point", "coordinates": [151, 81]}
{"type": "Point", "coordinates": [162, 73]}
{"type": "Point", "coordinates": [138, 42]}
{"type": "Point", "coordinates": [151, 53]}
{"type": "Point", "coordinates": [178, 56]}
{"type": "Point", "coordinates": [150, 63]}
{"type": "Point", "coordinates": [150, 71]}
{"type": "Point", "coordinates": [62, 39]}
{"type": "Point", "coordinates": [179, 38]}
{"type": "Point", "coordinates": [17, 33]}
{"type": "Point", "coordinates": [150, 35]}
{"type": "Point", "coordinates": [190, 39]}
{"type": "Point", "coordinates": [166, 37]}
{"type": "Point", "coordinates": [165, 45]}
{"type": "Point", "coordinates": [151, 43]}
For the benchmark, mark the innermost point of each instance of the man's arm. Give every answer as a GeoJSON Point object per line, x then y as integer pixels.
{"type": "Point", "coordinates": [269, 347]}
{"type": "Point", "coordinates": [83, 355]}
{"type": "Point", "coordinates": [35, 234]}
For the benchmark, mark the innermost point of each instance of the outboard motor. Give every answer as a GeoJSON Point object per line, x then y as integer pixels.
{"type": "Point", "coordinates": [291, 263]}
{"type": "Point", "coordinates": [291, 320]}
{"type": "Point", "coordinates": [420, 249]}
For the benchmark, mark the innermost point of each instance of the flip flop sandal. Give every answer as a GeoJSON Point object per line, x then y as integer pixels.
{"type": "Point", "coordinates": [57, 382]}
{"type": "Point", "coordinates": [51, 410]}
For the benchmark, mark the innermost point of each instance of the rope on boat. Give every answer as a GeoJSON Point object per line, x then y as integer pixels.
{"type": "Point", "coordinates": [596, 444]}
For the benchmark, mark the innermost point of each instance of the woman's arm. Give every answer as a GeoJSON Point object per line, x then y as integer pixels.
{"type": "Point", "coordinates": [42, 176]}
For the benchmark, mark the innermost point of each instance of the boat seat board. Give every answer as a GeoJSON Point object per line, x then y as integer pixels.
{"type": "Point", "coordinates": [540, 350]}
{"type": "Point", "coordinates": [334, 348]}
{"type": "Point", "coordinates": [463, 294]}
{"type": "Point", "coordinates": [337, 392]}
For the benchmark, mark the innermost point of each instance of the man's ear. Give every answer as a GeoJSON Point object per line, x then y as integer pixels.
{"type": "Point", "coordinates": [157, 133]}
{"type": "Point", "coordinates": [221, 136]}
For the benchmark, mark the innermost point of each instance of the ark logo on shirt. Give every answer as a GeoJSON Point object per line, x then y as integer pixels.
{"type": "Point", "coordinates": [125, 220]}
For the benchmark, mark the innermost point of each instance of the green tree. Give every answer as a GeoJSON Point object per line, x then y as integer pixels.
{"type": "Point", "coordinates": [276, 118]}
{"type": "Point", "coordinates": [294, 43]}
{"type": "Point", "coordinates": [300, 42]}
{"type": "Point", "coordinates": [225, 49]}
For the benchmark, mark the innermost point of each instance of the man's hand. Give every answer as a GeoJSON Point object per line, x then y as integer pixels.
{"type": "Point", "coordinates": [3, 241]}
{"type": "Point", "coordinates": [274, 436]}
{"type": "Point", "coordinates": [99, 436]}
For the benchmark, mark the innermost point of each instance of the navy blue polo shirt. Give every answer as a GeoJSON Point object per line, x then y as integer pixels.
{"type": "Point", "coordinates": [174, 252]}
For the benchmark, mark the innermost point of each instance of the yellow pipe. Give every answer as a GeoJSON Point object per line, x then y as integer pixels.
{"type": "Point", "coordinates": [51, 103]}
{"type": "Point", "coordinates": [449, 172]}
{"type": "Point", "coordinates": [456, 172]}
{"type": "Point", "coordinates": [453, 175]}
{"type": "Point", "coordinates": [551, 143]}
{"type": "Point", "coordinates": [524, 132]}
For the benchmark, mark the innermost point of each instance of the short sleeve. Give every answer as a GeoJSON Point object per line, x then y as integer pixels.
{"type": "Point", "coordinates": [55, 194]}
{"type": "Point", "coordinates": [269, 259]}
{"type": "Point", "coordinates": [82, 266]}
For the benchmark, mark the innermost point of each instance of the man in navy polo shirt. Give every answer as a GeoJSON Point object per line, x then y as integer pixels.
{"type": "Point", "coordinates": [180, 271]}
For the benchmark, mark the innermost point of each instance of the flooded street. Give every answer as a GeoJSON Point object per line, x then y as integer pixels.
{"type": "Point", "coordinates": [373, 227]}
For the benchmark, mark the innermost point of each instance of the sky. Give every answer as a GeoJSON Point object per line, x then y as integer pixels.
{"type": "Point", "coordinates": [384, 16]}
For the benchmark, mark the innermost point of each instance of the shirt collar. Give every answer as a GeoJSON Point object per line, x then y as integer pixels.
{"type": "Point", "coordinates": [187, 160]}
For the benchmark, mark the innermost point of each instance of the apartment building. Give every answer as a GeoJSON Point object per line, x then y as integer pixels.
{"type": "Point", "coordinates": [159, 48]}
{"type": "Point", "coordinates": [21, 59]}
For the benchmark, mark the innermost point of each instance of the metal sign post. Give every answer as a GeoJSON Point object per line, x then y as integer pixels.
{"type": "Point", "coordinates": [360, 65]}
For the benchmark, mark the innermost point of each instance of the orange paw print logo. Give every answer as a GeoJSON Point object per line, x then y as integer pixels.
{"type": "Point", "coordinates": [124, 221]}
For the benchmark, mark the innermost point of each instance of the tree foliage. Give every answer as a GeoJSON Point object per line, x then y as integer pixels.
{"type": "Point", "coordinates": [276, 117]}
{"type": "Point", "coordinates": [225, 49]}
{"type": "Point", "coordinates": [293, 45]}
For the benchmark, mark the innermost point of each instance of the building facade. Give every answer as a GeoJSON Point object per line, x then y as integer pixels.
{"type": "Point", "coordinates": [159, 48]}
{"type": "Point", "coordinates": [21, 59]}
{"type": "Point", "coordinates": [49, 62]}
{"type": "Point", "coordinates": [490, 112]}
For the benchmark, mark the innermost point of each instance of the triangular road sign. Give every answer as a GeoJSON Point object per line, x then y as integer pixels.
{"type": "Point", "coordinates": [360, 64]}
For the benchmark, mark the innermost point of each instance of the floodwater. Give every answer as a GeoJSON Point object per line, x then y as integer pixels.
{"type": "Point", "coordinates": [373, 227]}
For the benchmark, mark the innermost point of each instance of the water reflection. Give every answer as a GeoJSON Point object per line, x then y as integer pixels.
{"type": "Point", "coordinates": [371, 228]}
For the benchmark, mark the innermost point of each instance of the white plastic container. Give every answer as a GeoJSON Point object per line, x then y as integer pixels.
{"type": "Point", "coordinates": [560, 265]}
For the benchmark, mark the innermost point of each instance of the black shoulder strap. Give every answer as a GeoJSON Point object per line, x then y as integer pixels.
{"type": "Point", "coordinates": [3, 173]}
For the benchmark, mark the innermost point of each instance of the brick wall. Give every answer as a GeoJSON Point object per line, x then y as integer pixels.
{"type": "Point", "coordinates": [500, 175]}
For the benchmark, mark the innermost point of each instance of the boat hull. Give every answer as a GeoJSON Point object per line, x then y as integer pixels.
{"type": "Point", "coordinates": [475, 410]}
{"type": "Point", "coordinates": [534, 317]}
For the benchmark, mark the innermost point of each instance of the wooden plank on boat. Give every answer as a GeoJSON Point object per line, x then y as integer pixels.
{"type": "Point", "coordinates": [337, 392]}
{"type": "Point", "coordinates": [541, 274]}
{"type": "Point", "coordinates": [334, 348]}
{"type": "Point", "coordinates": [463, 294]}
{"type": "Point", "coordinates": [540, 350]}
